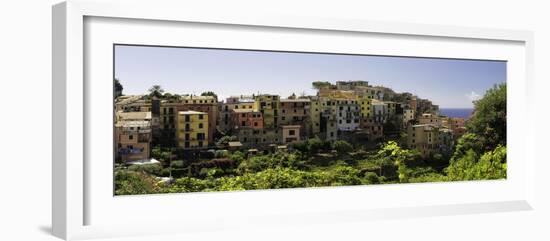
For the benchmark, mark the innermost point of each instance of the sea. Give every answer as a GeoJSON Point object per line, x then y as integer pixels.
{"type": "Point", "coordinates": [457, 112]}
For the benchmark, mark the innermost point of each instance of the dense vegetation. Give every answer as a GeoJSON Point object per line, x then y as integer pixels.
{"type": "Point", "coordinates": [480, 154]}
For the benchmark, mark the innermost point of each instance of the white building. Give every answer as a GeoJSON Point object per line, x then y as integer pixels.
{"type": "Point", "coordinates": [348, 114]}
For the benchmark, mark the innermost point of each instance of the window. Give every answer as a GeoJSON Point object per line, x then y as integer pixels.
{"type": "Point", "coordinates": [201, 117]}
{"type": "Point", "coordinates": [255, 123]}
{"type": "Point", "coordinates": [292, 132]}
{"type": "Point", "coordinates": [243, 123]}
{"type": "Point", "coordinates": [243, 115]}
{"type": "Point", "coordinates": [187, 118]}
{"type": "Point", "coordinates": [200, 125]}
{"type": "Point", "coordinates": [131, 137]}
{"type": "Point", "coordinates": [200, 143]}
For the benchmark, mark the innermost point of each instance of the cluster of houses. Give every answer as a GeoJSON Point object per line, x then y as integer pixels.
{"type": "Point", "coordinates": [347, 109]}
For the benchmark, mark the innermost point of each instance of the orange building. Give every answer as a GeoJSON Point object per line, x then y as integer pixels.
{"type": "Point", "coordinates": [242, 118]}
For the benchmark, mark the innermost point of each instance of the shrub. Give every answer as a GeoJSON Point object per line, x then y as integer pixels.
{"type": "Point", "coordinates": [131, 182]}
{"type": "Point", "coordinates": [342, 147]}
{"type": "Point", "coordinates": [371, 178]}
{"type": "Point", "coordinates": [151, 169]}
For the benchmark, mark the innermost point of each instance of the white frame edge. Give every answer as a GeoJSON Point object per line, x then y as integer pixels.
{"type": "Point", "coordinates": [68, 96]}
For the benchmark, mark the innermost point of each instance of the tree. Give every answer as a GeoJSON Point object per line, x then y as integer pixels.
{"type": "Point", "coordinates": [342, 147]}
{"type": "Point", "coordinates": [156, 91]}
{"type": "Point", "coordinates": [118, 88]}
{"type": "Point", "coordinates": [489, 118]}
{"type": "Point", "coordinates": [371, 178]}
{"type": "Point", "coordinates": [391, 151]}
{"type": "Point", "coordinates": [130, 182]}
{"type": "Point", "coordinates": [465, 143]}
{"type": "Point", "coordinates": [321, 84]}
{"type": "Point", "coordinates": [314, 145]}
{"type": "Point", "coordinates": [209, 93]}
{"type": "Point", "coordinates": [491, 165]}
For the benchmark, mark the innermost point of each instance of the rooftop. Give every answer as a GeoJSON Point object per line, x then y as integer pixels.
{"type": "Point", "coordinates": [235, 144]}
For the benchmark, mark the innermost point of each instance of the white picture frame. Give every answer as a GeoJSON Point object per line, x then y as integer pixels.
{"type": "Point", "coordinates": [75, 201]}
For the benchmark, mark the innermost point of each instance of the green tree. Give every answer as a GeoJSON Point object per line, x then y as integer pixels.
{"type": "Point", "coordinates": [371, 178]}
{"type": "Point", "coordinates": [210, 93]}
{"type": "Point", "coordinates": [156, 91]}
{"type": "Point", "coordinates": [465, 143]}
{"type": "Point", "coordinates": [321, 84]}
{"type": "Point", "coordinates": [489, 118]}
{"type": "Point", "coordinates": [314, 145]}
{"type": "Point", "coordinates": [118, 88]}
{"type": "Point", "coordinates": [491, 165]}
{"type": "Point", "coordinates": [391, 151]}
{"type": "Point", "coordinates": [130, 182]}
{"type": "Point", "coordinates": [342, 147]}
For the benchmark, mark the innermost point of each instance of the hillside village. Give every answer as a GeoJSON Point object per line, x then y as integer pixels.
{"type": "Point", "coordinates": [354, 111]}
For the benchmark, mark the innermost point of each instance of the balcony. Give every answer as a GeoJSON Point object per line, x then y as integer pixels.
{"type": "Point", "coordinates": [135, 131]}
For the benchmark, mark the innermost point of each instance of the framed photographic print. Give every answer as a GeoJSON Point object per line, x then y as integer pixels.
{"type": "Point", "coordinates": [211, 122]}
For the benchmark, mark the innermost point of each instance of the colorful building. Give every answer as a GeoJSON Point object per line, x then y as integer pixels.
{"type": "Point", "coordinates": [232, 103]}
{"type": "Point", "coordinates": [246, 118]}
{"type": "Point", "coordinates": [365, 104]}
{"type": "Point", "coordinates": [408, 116]}
{"type": "Point", "coordinates": [268, 105]}
{"type": "Point", "coordinates": [348, 114]}
{"type": "Point", "coordinates": [291, 133]}
{"type": "Point", "coordinates": [192, 130]}
{"type": "Point", "coordinates": [424, 138]}
{"type": "Point", "coordinates": [428, 118]}
{"type": "Point", "coordinates": [169, 110]}
{"type": "Point", "coordinates": [380, 111]}
{"type": "Point", "coordinates": [133, 136]}
{"type": "Point", "coordinates": [295, 112]}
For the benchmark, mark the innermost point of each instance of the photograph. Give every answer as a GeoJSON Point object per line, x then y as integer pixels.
{"type": "Point", "coordinates": [189, 119]}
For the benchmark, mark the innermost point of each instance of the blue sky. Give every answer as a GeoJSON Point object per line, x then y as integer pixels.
{"type": "Point", "coordinates": [449, 83]}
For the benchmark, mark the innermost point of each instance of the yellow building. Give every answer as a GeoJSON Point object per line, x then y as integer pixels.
{"type": "Point", "coordinates": [268, 105]}
{"type": "Point", "coordinates": [315, 116]}
{"type": "Point", "coordinates": [192, 130]}
{"type": "Point", "coordinates": [365, 103]}
{"type": "Point", "coordinates": [424, 138]}
{"type": "Point", "coordinates": [431, 119]}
